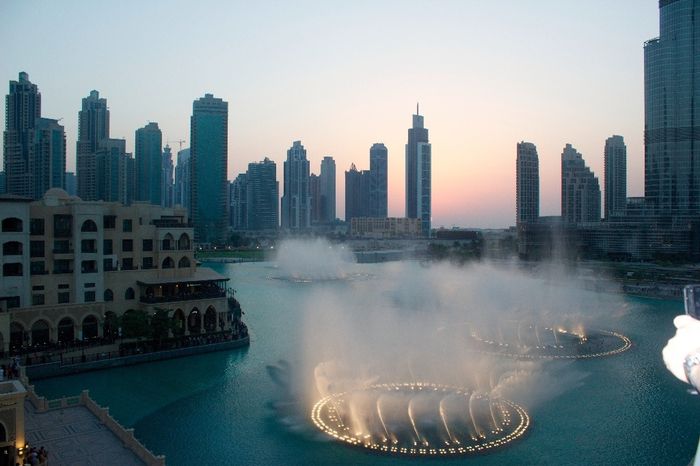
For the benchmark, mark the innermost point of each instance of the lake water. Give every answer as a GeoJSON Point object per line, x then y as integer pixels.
{"type": "Point", "coordinates": [215, 408]}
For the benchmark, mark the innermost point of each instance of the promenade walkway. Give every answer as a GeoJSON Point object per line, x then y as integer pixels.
{"type": "Point", "coordinates": [74, 435]}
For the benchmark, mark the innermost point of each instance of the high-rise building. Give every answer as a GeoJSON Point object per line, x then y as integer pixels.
{"type": "Point", "coordinates": [182, 179]}
{"type": "Point", "coordinates": [238, 201]}
{"type": "Point", "coordinates": [34, 148]}
{"type": "Point", "coordinates": [327, 189]}
{"type": "Point", "coordinates": [93, 127]}
{"type": "Point", "coordinates": [167, 186]}
{"type": "Point", "coordinates": [527, 183]}
{"type": "Point", "coordinates": [615, 177]}
{"type": "Point", "coordinates": [209, 164]}
{"type": "Point", "coordinates": [296, 201]}
{"type": "Point", "coordinates": [3, 182]}
{"type": "Point", "coordinates": [378, 155]}
{"type": "Point", "coordinates": [357, 193]}
{"type": "Point", "coordinates": [315, 195]}
{"type": "Point", "coordinates": [112, 175]}
{"type": "Point", "coordinates": [263, 196]}
{"type": "Point", "coordinates": [71, 187]}
{"type": "Point", "coordinates": [580, 191]}
{"type": "Point", "coordinates": [149, 164]}
{"type": "Point", "coordinates": [22, 108]}
{"type": "Point", "coordinates": [672, 111]}
{"type": "Point", "coordinates": [48, 157]}
{"type": "Point", "coordinates": [418, 174]}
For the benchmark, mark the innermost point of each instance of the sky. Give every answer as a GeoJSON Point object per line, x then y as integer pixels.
{"type": "Point", "coordinates": [340, 76]}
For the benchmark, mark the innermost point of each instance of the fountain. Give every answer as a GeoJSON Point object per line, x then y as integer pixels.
{"type": "Point", "coordinates": [525, 340]}
{"type": "Point", "coordinates": [420, 419]}
{"type": "Point", "coordinates": [310, 261]}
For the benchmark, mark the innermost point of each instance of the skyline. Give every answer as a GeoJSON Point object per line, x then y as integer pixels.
{"type": "Point", "coordinates": [359, 84]}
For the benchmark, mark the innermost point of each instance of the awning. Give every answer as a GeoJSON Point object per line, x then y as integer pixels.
{"type": "Point", "coordinates": [202, 274]}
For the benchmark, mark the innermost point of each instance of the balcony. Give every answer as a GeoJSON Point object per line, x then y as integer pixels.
{"type": "Point", "coordinates": [211, 294]}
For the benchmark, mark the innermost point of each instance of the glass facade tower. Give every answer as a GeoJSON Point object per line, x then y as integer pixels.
{"type": "Point", "coordinates": [672, 111]}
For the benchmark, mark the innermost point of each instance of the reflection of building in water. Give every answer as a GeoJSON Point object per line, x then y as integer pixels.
{"type": "Point", "coordinates": [71, 268]}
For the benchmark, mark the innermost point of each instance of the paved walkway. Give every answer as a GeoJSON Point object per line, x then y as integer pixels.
{"type": "Point", "coordinates": [74, 436]}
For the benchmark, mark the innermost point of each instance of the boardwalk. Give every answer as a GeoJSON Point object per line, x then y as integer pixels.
{"type": "Point", "coordinates": [75, 436]}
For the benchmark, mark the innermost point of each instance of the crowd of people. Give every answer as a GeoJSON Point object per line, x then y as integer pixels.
{"type": "Point", "coordinates": [35, 457]}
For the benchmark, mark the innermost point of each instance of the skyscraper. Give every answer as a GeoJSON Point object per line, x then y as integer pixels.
{"type": "Point", "coordinates": [378, 155]}
{"type": "Point", "coordinates": [672, 111]}
{"type": "Point", "coordinates": [263, 196]}
{"type": "Point", "coordinates": [580, 191]}
{"type": "Point", "coordinates": [167, 187]}
{"type": "Point", "coordinates": [149, 164]}
{"type": "Point", "coordinates": [615, 177]}
{"type": "Point", "coordinates": [327, 189]}
{"type": "Point", "coordinates": [209, 164]}
{"type": "Point", "coordinates": [527, 183]}
{"type": "Point", "coordinates": [296, 202]}
{"type": "Point", "coordinates": [22, 107]}
{"type": "Point", "coordinates": [48, 156]}
{"type": "Point", "coordinates": [112, 172]}
{"type": "Point", "coordinates": [93, 127]}
{"type": "Point", "coordinates": [238, 202]}
{"type": "Point", "coordinates": [182, 179]}
{"type": "Point", "coordinates": [315, 195]}
{"type": "Point", "coordinates": [357, 193]}
{"type": "Point", "coordinates": [418, 174]}
{"type": "Point", "coordinates": [34, 148]}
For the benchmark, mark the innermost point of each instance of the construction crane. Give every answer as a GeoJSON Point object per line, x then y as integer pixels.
{"type": "Point", "coordinates": [179, 141]}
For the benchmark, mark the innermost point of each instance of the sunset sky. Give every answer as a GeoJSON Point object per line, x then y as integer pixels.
{"type": "Point", "coordinates": [340, 76]}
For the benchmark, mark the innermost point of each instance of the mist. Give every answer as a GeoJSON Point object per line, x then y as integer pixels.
{"type": "Point", "coordinates": [411, 322]}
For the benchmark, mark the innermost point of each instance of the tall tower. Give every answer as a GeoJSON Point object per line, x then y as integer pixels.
{"type": "Point", "coordinates": [296, 202]}
{"type": "Point", "coordinates": [22, 109]}
{"type": "Point", "coordinates": [209, 165]}
{"type": "Point", "coordinates": [149, 164]}
{"type": "Point", "coordinates": [418, 174]}
{"type": "Point", "coordinates": [327, 189]}
{"type": "Point", "coordinates": [93, 128]}
{"type": "Point", "coordinates": [672, 111]}
{"type": "Point", "coordinates": [615, 177]}
{"type": "Point", "coordinates": [580, 191]}
{"type": "Point", "coordinates": [527, 183]}
{"type": "Point", "coordinates": [263, 196]}
{"type": "Point", "coordinates": [167, 186]}
{"type": "Point", "coordinates": [315, 195]}
{"type": "Point", "coordinates": [378, 156]}
{"type": "Point", "coordinates": [182, 179]}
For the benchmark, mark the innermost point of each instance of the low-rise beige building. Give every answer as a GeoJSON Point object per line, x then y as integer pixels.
{"type": "Point", "coordinates": [385, 228]}
{"type": "Point", "coordinates": [69, 267]}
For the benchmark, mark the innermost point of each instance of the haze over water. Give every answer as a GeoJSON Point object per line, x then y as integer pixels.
{"type": "Point", "coordinates": [339, 334]}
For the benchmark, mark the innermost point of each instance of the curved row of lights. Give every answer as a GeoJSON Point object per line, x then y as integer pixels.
{"type": "Point", "coordinates": [326, 418]}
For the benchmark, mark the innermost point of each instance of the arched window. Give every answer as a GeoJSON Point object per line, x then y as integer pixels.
{"type": "Point", "coordinates": [88, 225]}
{"type": "Point", "coordinates": [90, 327]}
{"type": "Point", "coordinates": [3, 433]}
{"type": "Point", "coordinates": [11, 225]}
{"type": "Point", "coordinates": [129, 294]}
{"type": "Point", "coordinates": [194, 321]}
{"type": "Point", "coordinates": [183, 262]}
{"type": "Point", "coordinates": [168, 243]}
{"type": "Point", "coordinates": [65, 330]}
{"type": "Point", "coordinates": [168, 263]}
{"type": "Point", "coordinates": [40, 333]}
{"type": "Point", "coordinates": [109, 295]}
{"type": "Point", "coordinates": [12, 248]}
{"type": "Point", "coordinates": [183, 243]}
{"type": "Point", "coordinates": [210, 319]}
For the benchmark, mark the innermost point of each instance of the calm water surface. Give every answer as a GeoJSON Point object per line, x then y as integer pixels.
{"type": "Point", "coordinates": [214, 409]}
